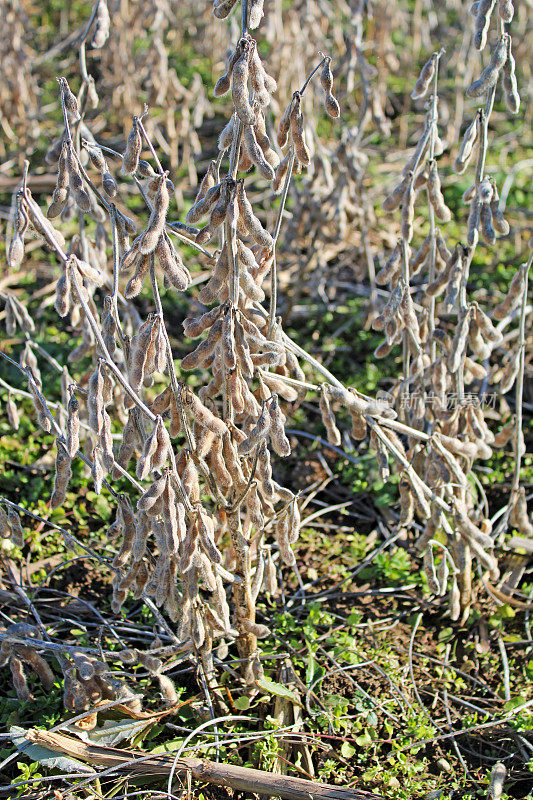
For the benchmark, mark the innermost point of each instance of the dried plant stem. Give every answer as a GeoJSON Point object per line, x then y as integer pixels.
{"type": "Point", "coordinates": [431, 210]}
{"type": "Point", "coordinates": [519, 398]}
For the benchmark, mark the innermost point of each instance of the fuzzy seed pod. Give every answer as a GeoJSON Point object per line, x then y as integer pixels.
{"type": "Point", "coordinates": [203, 415]}
{"type": "Point", "coordinates": [519, 517]}
{"type": "Point", "coordinates": [263, 84]}
{"type": "Point", "coordinates": [5, 528]}
{"type": "Point", "coordinates": [63, 294]}
{"type": "Point", "coordinates": [239, 88]}
{"type": "Point", "coordinates": [62, 475]}
{"type": "Point", "coordinates": [467, 146]}
{"type": "Point", "coordinates": [284, 126]}
{"type": "Point", "coordinates": [255, 13]}
{"type": "Point", "coordinates": [487, 230]}
{"type": "Point", "coordinates": [431, 572]}
{"type": "Point", "coordinates": [101, 26]}
{"type": "Point", "coordinates": [17, 533]}
{"type": "Point", "coordinates": [472, 234]}
{"type": "Point", "coordinates": [297, 132]}
{"type": "Point", "coordinates": [278, 438]}
{"type": "Point", "coordinates": [158, 218]}
{"type": "Point", "coordinates": [514, 295]}
{"type": "Point", "coordinates": [482, 22]}
{"type": "Point", "coordinates": [393, 200]}
{"type": "Point", "coordinates": [489, 76]}
{"type": "Point", "coordinates": [60, 193]}
{"type": "Point", "coordinates": [442, 212]}
{"type": "Point", "coordinates": [253, 225]}
{"type": "Point", "coordinates": [135, 283]}
{"type": "Point", "coordinates": [130, 158]}
{"type": "Point", "coordinates": [326, 80]}
{"type": "Point", "coordinates": [207, 183]}
{"type": "Point", "coordinates": [328, 418]}
{"type": "Point", "coordinates": [424, 80]}
{"type": "Point", "coordinates": [499, 770]}
{"type": "Point", "coordinates": [18, 677]}
{"type": "Point", "coordinates": [39, 403]}
{"type": "Point", "coordinates": [391, 268]}
{"type": "Point", "coordinates": [259, 432]}
{"type": "Point", "coordinates": [69, 99]}
{"type": "Point", "coordinates": [12, 412]}
{"type": "Point", "coordinates": [222, 86]}
{"type": "Point", "coordinates": [256, 154]}
{"type": "Point", "coordinates": [408, 209]}
{"type": "Point", "coordinates": [221, 8]}
{"type": "Point", "coordinates": [510, 86]}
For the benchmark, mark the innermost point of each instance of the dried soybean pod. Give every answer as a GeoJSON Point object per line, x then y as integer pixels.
{"type": "Point", "coordinates": [12, 412]}
{"type": "Point", "coordinates": [207, 182]}
{"type": "Point", "coordinates": [408, 209]}
{"type": "Point", "coordinates": [135, 283]}
{"type": "Point", "coordinates": [424, 80]}
{"type": "Point", "coordinates": [68, 98]}
{"type": "Point", "coordinates": [467, 146]}
{"type": "Point", "coordinates": [284, 126]}
{"type": "Point", "coordinates": [489, 76]}
{"type": "Point", "coordinates": [431, 573]}
{"type": "Point", "coordinates": [418, 258]}
{"type": "Point", "coordinates": [506, 10]}
{"type": "Point", "coordinates": [203, 415]}
{"type": "Point", "coordinates": [326, 80]}
{"type": "Point", "coordinates": [227, 342]}
{"type": "Point", "coordinates": [256, 154]}
{"type": "Point", "coordinates": [226, 134]}
{"type": "Point", "coordinates": [221, 8]}
{"type": "Point", "coordinates": [39, 404]}
{"type": "Point", "coordinates": [109, 184]}
{"type": "Point", "coordinates": [328, 418]}
{"type": "Point", "coordinates": [499, 222]}
{"type": "Point", "coordinates": [482, 23]}
{"type": "Point", "coordinates": [255, 13]}
{"type": "Point", "coordinates": [281, 171]}
{"type": "Point", "coordinates": [259, 432]}
{"type": "Point", "coordinates": [128, 530]}
{"type": "Point", "coordinates": [205, 204]}
{"type": "Point", "coordinates": [16, 251]}
{"type": "Point", "coordinates": [497, 778]}
{"type": "Point", "coordinates": [239, 88]}
{"type": "Point", "coordinates": [101, 28]}
{"type": "Point", "coordinates": [455, 600]}
{"type": "Point", "coordinates": [326, 76]}
{"type": "Point", "coordinates": [513, 296]}
{"type": "Point", "coordinates": [156, 223]}
{"type": "Point", "coordinates": [519, 517]}
{"type": "Point", "coordinates": [60, 193]}
{"type": "Point", "coordinates": [19, 679]}
{"type": "Point", "coordinates": [393, 200]}
{"type": "Point", "coordinates": [442, 212]}
{"type": "Point", "coordinates": [487, 230]}
{"type": "Point", "coordinates": [256, 230]}
{"type": "Point", "coordinates": [130, 159]}
{"type": "Point", "coordinates": [278, 438]}
{"type": "Point", "coordinates": [460, 340]}
{"type": "Point", "coordinates": [62, 475]}
{"type": "Point", "coordinates": [297, 131]}
{"type": "Point", "coordinates": [222, 86]}
{"type": "Point", "coordinates": [63, 294]}
{"type": "Point", "coordinates": [472, 233]}
{"type": "Point", "coordinates": [510, 86]}
{"type": "Point", "coordinates": [15, 526]}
